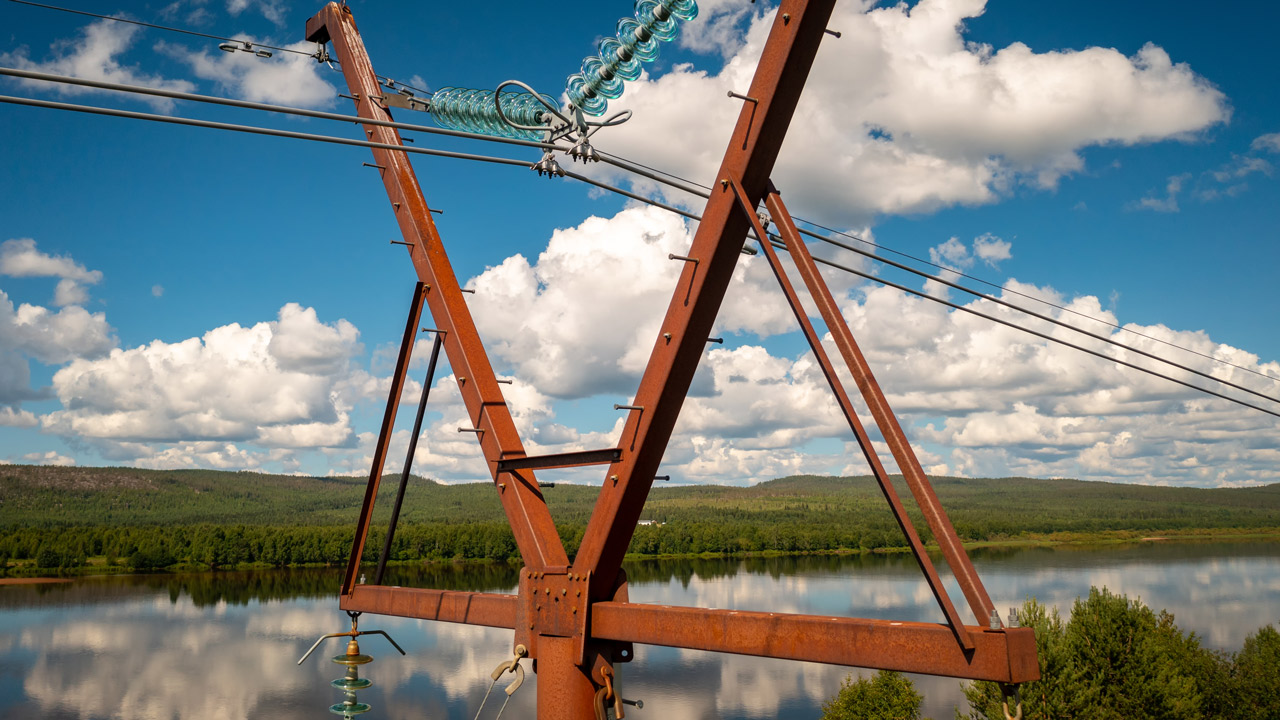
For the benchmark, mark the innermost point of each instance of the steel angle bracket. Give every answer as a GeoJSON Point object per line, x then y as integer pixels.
{"type": "Point", "coordinates": [406, 102]}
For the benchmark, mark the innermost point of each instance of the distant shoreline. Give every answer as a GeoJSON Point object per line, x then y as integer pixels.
{"type": "Point", "coordinates": [1063, 540]}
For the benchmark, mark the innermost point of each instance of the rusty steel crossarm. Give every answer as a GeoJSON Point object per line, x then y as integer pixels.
{"type": "Point", "coordinates": [788, 54]}
{"type": "Point", "coordinates": [1003, 656]}
{"type": "Point", "coordinates": [471, 608]}
{"type": "Point", "coordinates": [908, 464]}
{"type": "Point", "coordinates": [851, 416]}
{"type": "Point", "coordinates": [522, 500]}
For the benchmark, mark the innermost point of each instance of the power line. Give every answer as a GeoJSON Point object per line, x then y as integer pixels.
{"type": "Point", "coordinates": [155, 26]}
{"type": "Point", "coordinates": [194, 33]}
{"type": "Point", "coordinates": [284, 109]}
{"type": "Point", "coordinates": [626, 164]}
{"type": "Point", "coordinates": [1046, 318]}
{"type": "Point", "coordinates": [1043, 336]}
{"type": "Point", "coordinates": [1025, 295]}
{"type": "Point", "coordinates": [521, 163]}
{"type": "Point", "coordinates": [253, 129]}
{"type": "Point", "coordinates": [652, 173]}
{"type": "Point", "coordinates": [686, 185]}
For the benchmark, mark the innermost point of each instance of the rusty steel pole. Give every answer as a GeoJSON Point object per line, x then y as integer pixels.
{"type": "Point", "coordinates": [522, 500]}
{"type": "Point", "coordinates": [574, 620]}
{"type": "Point", "coordinates": [788, 54]}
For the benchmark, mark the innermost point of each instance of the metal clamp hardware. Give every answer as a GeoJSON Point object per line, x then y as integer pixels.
{"type": "Point", "coordinates": [353, 633]}
{"type": "Point", "coordinates": [548, 166]}
{"type": "Point", "coordinates": [610, 694]}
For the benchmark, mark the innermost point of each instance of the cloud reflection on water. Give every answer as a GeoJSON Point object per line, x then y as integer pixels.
{"type": "Point", "coordinates": [154, 653]}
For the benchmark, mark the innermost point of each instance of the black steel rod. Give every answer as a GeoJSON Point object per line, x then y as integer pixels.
{"type": "Point", "coordinates": [408, 460]}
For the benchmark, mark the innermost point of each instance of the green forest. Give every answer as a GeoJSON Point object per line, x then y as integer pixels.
{"type": "Point", "coordinates": [1113, 659]}
{"type": "Point", "coordinates": [124, 518]}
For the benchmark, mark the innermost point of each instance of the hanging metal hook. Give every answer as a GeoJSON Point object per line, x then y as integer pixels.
{"type": "Point", "coordinates": [506, 666]}
{"type": "Point", "coordinates": [1011, 691]}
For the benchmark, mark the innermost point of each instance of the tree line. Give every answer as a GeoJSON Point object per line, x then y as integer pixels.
{"type": "Point", "coordinates": [216, 546]}
{"type": "Point", "coordinates": [1114, 659]}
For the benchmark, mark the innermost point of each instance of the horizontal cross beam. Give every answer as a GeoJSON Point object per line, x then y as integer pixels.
{"type": "Point", "coordinates": [1007, 655]}
{"type": "Point", "coordinates": [561, 460]}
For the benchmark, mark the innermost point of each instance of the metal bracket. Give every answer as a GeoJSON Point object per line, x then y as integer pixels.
{"type": "Point", "coordinates": [401, 100]}
{"type": "Point", "coordinates": [556, 603]}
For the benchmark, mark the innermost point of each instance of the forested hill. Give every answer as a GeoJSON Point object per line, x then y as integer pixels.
{"type": "Point", "coordinates": [35, 496]}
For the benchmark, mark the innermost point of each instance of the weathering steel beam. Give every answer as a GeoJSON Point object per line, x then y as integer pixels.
{"type": "Point", "coordinates": [851, 416]}
{"type": "Point", "coordinates": [788, 54]}
{"type": "Point", "coordinates": [1007, 655]}
{"type": "Point", "coordinates": [561, 460]}
{"type": "Point", "coordinates": [522, 501]}
{"type": "Point", "coordinates": [1001, 655]}
{"type": "Point", "coordinates": [908, 464]}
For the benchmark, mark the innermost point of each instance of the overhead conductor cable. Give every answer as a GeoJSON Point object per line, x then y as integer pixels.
{"type": "Point", "coordinates": [520, 163]}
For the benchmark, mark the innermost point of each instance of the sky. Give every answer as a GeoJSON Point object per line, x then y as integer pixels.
{"type": "Point", "coordinates": [175, 297]}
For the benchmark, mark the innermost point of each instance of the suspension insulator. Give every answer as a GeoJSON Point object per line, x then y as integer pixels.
{"type": "Point", "coordinates": [637, 41]}
{"type": "Point", "coordinates": [474, 111]}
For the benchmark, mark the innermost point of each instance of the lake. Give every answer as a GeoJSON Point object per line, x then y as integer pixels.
{"type": "Point", "coordinates": [225, 645]}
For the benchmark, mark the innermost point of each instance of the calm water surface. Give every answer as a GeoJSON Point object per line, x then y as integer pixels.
{"type": "Point", "coordinates": [198, 647]}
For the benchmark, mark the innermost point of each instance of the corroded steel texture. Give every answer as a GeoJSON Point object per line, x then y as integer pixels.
{"type": "Point", "coordinates": [522, 501]}
{"type": "Point", "coordinates": [944, 533]}
{"type": "Point", "coordinates": [1003, 655]}
{"type": "Point", "coordinates": [788, 54]}
{"type": "Point", "coordinates": [472, 608]}
{"type": "Point", "coordinates": [565, 688]}
{"type": "Point", "coordinates": [851, 416]}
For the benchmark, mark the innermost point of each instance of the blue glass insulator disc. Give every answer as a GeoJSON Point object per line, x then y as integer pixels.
{"type": "Point", "coordinates": [352, 709]}
{"type": "Point", "coordinates": [686, 10]}
{"type": "Point", "coordinates": [648, 12]}
{"type": "Point", "coordinates": [482, 112]}
{"type": "Point", "coordinates": [460, 111]}
{"type": "Point", "coordinates": [349, 684]}
{"type": "Point", "coordinates": [630, 32]}
{"type": "Point", "coordinates": [577, 89]}
{"type": "Point", "coordinates": [612, 52]}
{"type": "Point", "coordinates": [474, 111]}
{"type": "Point", "coordinates": [442, 107]}
{"type": "Point", "coordinates": [594, 70]}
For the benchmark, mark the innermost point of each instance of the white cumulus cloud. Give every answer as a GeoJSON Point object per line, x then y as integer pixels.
{"type": "Point", "coordinates": [861, 143]}
{"type": "Point", "coordinates": [284, 79]}
{"type": "Point", "coordinates": [273, 384]}
{"type": "Point", "coordinates": [95, 55]}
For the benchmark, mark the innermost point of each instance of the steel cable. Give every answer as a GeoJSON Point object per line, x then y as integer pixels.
{"type": "Point", "coordinates": [194, 33]}
{"type": "Point", "coordinates": [284, 109]}
{"type": "Point", "coordinates": [700, 190]}
{"type": "Point", "coordinates": [652, 173]}
{"type": "Point", "coordinates": [634, 196]}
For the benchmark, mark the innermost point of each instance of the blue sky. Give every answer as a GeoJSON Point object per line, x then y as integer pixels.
{"type": "Point", "coordinates": [176, 297]}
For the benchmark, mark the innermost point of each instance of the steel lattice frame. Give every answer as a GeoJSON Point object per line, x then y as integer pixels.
{"type": "Point", "coordinates": [573, 616]}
